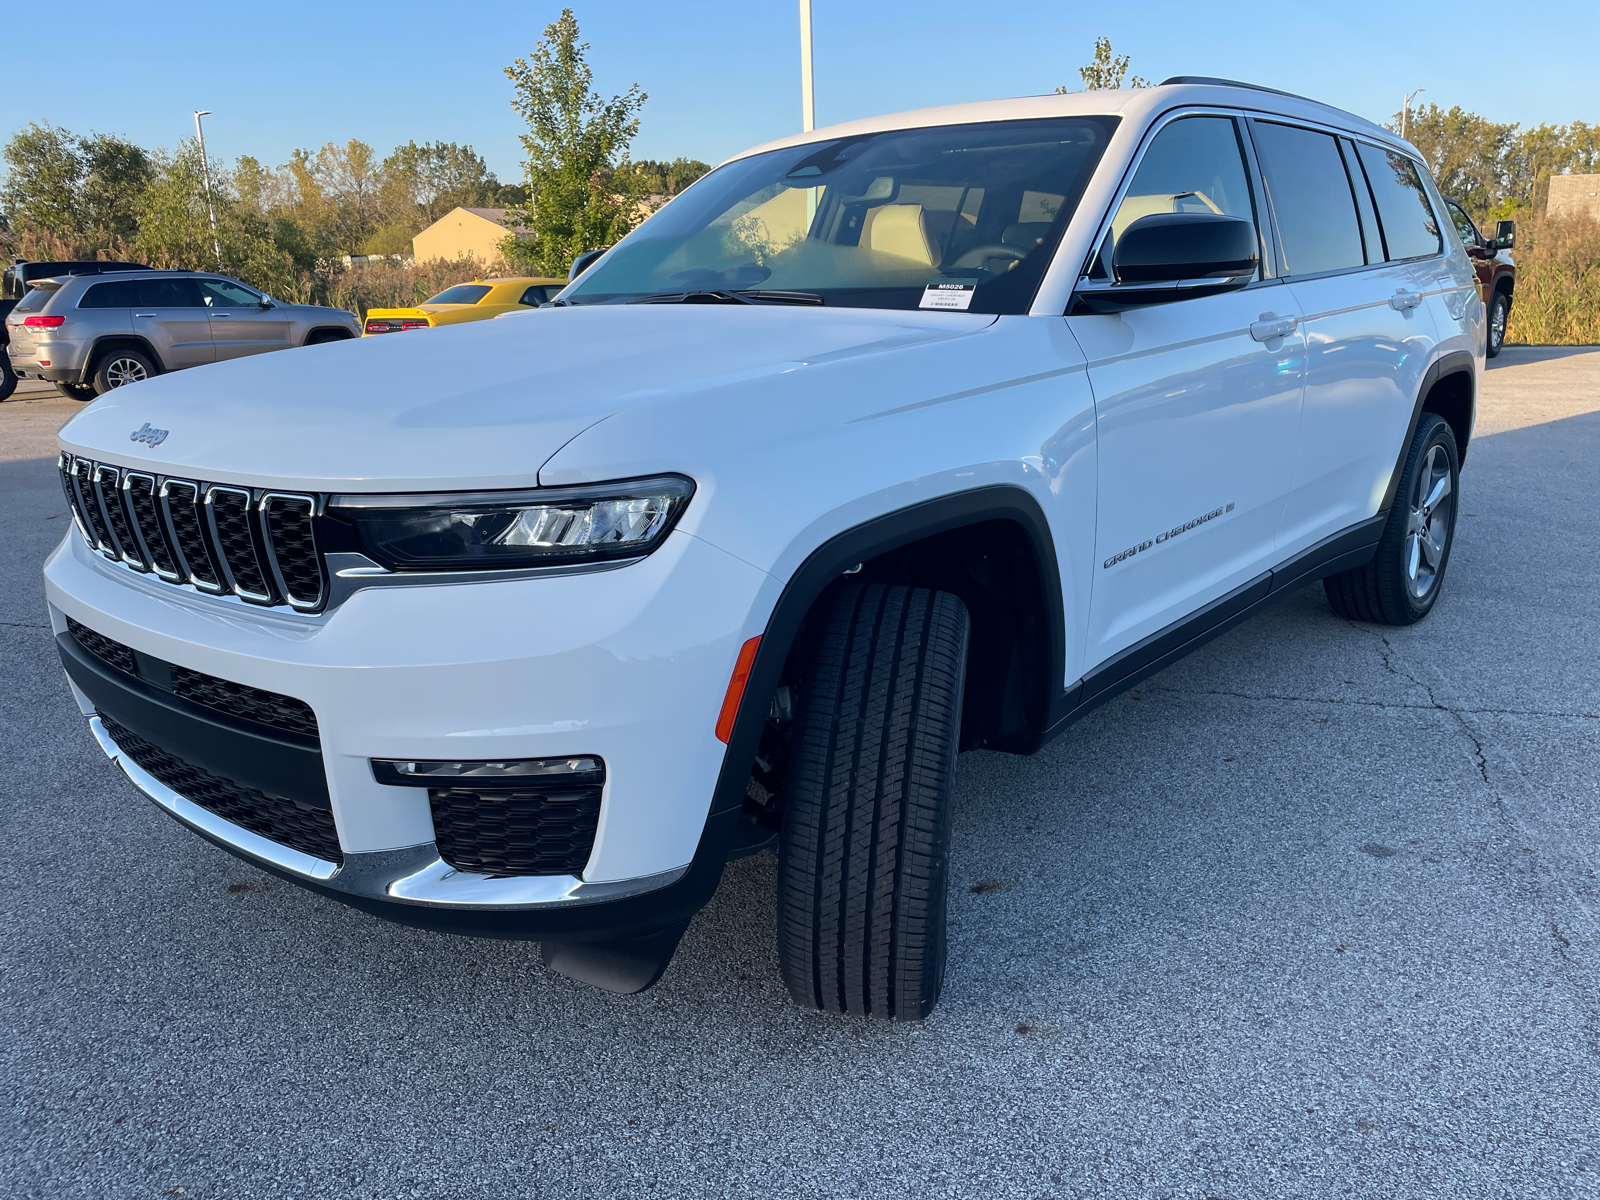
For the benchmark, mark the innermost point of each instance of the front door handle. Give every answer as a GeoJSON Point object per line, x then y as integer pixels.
{"type": "Point", "coordinates": [1271, 325]}
{"type": "Point", "coordinates": [151, 315]}
{"type": "Point", "coordinates": [216, 316]}
{"type": "Point", "coordinates": [1403, 300]}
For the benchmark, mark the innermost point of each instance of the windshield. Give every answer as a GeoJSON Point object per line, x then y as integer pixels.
{"type": "Point", "coordinates": [462, 293]}
{"type": "Point", "coordinates": [960, 217]}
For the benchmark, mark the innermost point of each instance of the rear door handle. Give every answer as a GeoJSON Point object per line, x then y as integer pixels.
{"type": "Point", "coordinates": [1403, 300]}
{"type": "Point", "coordinates": [1271, 325]}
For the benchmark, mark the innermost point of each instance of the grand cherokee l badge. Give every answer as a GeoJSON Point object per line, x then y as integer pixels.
{"type": "Point", "coordinates": [1167, 536]}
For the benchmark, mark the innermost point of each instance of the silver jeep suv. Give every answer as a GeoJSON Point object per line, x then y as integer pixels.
{"type": "Point", "coordinates": [88, 333]}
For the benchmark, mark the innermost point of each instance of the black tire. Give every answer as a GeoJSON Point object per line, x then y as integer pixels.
{"type": "Point", "coordinates": [1499, 311]}
{"type": "Point", "coordinates": [119, 367]}
{"type": "Point", "coordinates": [863, 854]}
{"type": "Point", "coordinates": [81, 392]}
{"type": "Point", "coordinates": [1387, 590]}
{"type": "Point", "coordinates": [8, 377]}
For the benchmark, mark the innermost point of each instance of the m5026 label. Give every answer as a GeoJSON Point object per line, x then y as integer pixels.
{"type": "Point", "coordinates": [1167, 536]}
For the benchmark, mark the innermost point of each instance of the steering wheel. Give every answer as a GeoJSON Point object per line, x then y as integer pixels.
{"type": "Point", "coordinates": [981, 255]}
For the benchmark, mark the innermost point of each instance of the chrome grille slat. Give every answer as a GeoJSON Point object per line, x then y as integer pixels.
{"type": "Point", "coordinates": [258, 546]}
{"type": "Point", "coordinates": [180, 502]}
{"type": "Point", "coordinates": [139, 491]}
{"type": "Point", "coordinates": [228, 517]}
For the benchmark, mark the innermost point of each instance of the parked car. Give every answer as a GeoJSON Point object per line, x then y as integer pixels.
{"type": "Point", "coordinates": [1497, 274]}
{"type": "Point", "coordinates": [89, 334]}
{"type": "Point", "coordinates": [476, 301]}
{"type": "Point", "coordinates": [14, 283]}
{"type": "Point", "coordinates": [920, 434]}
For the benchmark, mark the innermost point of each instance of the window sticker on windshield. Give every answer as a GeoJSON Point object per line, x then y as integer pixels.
{"type": "Point", "coordinates": [951, 296]}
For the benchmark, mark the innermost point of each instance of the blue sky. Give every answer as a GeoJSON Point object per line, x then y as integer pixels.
{"type": "Point", "coordinates": [724, 75]}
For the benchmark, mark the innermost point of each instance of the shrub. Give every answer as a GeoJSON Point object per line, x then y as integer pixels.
{"type": "Point", "coordinates": [1558, 282]}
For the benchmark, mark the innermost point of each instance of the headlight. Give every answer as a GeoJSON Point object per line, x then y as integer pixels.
{"type": "Point", "coordinates": [474, 531]}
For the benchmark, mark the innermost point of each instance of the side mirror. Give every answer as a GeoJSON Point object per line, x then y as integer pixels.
{"type": "Point", "coordinates": [1176, 256]}
{"type": "Point", "coordinates": [266, 302]}
{"type": "Point", "coordinates": [583, 262]}
{"type": "Point", "coordinates": [1505, 235]}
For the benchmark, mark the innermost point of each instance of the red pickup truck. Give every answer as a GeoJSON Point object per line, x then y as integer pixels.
{"type": "Point", "coordinates": [1497, 274]}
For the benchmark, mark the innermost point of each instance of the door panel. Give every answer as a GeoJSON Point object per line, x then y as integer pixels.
{"type": "Point", "coordinates": [239, 325]}
{"type": "Point", "coordinates": [171, 316]}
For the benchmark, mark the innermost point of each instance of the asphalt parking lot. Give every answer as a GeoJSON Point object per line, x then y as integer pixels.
{"type": "Point", "coordinates": [1313, 913]}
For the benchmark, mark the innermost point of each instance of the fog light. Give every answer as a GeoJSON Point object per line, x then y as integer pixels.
{"type": "Point", "coordinates": [516, 772]}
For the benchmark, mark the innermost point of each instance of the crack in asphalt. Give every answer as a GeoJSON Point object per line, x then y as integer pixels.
{"type": "Point", "coordinates": [23, 625]}
{"type": "Point", "coordinates": [1433, 706]}
{"type": "Point", "coordinates": [1388, 653]}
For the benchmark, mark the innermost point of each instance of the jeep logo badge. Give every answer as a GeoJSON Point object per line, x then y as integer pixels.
{"type": "Point", "coordinates": [145, 434]}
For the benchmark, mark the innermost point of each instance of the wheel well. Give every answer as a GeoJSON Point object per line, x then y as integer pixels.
{"type": "Point", "coordinates": [91, 361]}
{"type": "Point", "coordinates": [993, 566]}
{"type": "Point", "coordinates": [1451, 398]}
{"type": "Point", "coordinates": [328, 333]}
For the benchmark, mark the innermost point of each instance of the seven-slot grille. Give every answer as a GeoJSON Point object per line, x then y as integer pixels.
{"type": "Point", "coordinates": [251, 543]}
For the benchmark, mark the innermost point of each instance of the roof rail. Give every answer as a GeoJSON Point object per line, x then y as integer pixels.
{"type": "Point", "coordinates": [1216, 82]}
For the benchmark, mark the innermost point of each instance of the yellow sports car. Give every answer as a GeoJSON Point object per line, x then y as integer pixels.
{"type": "Point", "coordinates": [475, 301]}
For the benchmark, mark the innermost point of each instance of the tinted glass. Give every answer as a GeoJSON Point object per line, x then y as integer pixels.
{"type": "Point", "coordinates": [1467, 231]}
{"type": "Point", "coordinates": [168, 293]}
{"type": "Point", "coordinates": [35, 300]}
{"type": "Point", "coordinates": [224, 293]}
{"type": "Point", "coordinates": [1311, 199]}
{"type": "Point", "coordinates": [1410, 229]}
{"type": "Point", "coordinates": [534, 296]}
{"type": "Point", "coordinates": [10, 285]}
{"type": "Point", "coordinates": [883, 220]}
{"type": "Point", "coordinates": [1371, 235]}
{"type": "Point", "coordinates": [463, 293]}
{"type": "Point", "coordinates": [1194, 165]}
{"type": "Point", "coordinates": [123, 294]}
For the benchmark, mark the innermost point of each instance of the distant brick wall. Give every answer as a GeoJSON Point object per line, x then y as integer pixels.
{"type": "Point", "coordinates": [1574, 195]}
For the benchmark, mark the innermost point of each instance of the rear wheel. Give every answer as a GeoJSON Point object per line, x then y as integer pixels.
{"type": "Point", "coordinates": [864, 849]}
{"type": "Point", "coordinates": [8, 377]}
{"type": "Point", "coordinates": [1401, 583]}
{"type": "Point", "coordinates": [1499, 312]}
{"type": "Point", "coordinates": [119, 368]}
{"type": "Point", "coordinates": [81, 392]}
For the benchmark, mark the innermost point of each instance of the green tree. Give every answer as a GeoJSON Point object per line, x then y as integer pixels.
{"type": "Point", "coordinates": [581, 193]}
{"type": "Point", "coordinates": [1105, 71]}
{"type": "Point", "coordinates": [81, 194]}
{"type": "Point", "coordinates": [667, 179]}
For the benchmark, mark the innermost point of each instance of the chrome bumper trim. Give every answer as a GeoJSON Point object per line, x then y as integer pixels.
{"type": "Point", "coordinates": [412, 875]}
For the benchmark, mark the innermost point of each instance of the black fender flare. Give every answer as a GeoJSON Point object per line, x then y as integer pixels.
{"type": "Point", "coordinates": [90, 359]}
{"type": "Point", "coordinates": [1457, 362]}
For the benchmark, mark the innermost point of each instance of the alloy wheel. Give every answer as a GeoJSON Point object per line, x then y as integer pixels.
{"type": "Point", "coordinates": [1428, 523]}
{"type": "Point", "coordinates": [125, 370]}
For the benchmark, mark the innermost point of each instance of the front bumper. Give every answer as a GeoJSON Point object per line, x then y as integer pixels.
{"type": "Point", "coordinates": [629, 665]}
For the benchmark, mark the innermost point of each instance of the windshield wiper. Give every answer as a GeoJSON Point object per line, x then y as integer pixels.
{"type": "Point", "coordinates": [724, 296]}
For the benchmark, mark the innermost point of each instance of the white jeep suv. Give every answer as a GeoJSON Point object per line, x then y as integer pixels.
{"type": "Point", "coordinates": [916, 434]}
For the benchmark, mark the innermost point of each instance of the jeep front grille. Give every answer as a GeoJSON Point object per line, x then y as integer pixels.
{"type": "Point", "coordinates": [251, 543]}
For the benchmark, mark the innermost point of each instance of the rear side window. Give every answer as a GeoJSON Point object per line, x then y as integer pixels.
{"type": "Point", "coordinates": [1311, 199]}
{"type": "Point", "coordinates": [534, 296]}
{"type": "Point", "coordinates": [1464, 227]}
{"type": "Point", "coordinates": [1410, 229]}
{"type": "Point", "coordinates": [462, 293]}
{"type": "Point", "coordinates": [36, 299]}
{"type": "Point", "coordinates": [122, 294]}
{"type": "Point", "coordinates": [168, 293]}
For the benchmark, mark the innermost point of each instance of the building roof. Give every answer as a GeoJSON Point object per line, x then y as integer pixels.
{"type": "Point", "coordinates": [488, 214]}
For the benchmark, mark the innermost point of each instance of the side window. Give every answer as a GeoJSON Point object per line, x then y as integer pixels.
{"type": "Point", "coordinates": [121, 294]}
{"type": "Point", "coordinates": [1195, 164]}
{"type": "Point", "coordinates": [168, 293]}
{"type": "Point", "coordinates": [534, 297]}
{"type": "Point", "coordinates": [1464, 226]}
{"type": "Point", "coordinates": [224, 293]}
{"type": "Point", "coordinates": [1410, 230]}
{"type": "Point", "coordinates": [1312, 199]}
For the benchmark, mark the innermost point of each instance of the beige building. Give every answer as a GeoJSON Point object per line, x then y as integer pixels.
{"type": "Point", "coordinates": [1574, 195]}
{"type": "Point", "coordinates": [462, 233]}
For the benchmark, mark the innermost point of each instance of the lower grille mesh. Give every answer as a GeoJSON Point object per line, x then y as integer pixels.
{"type": "Point", "coordinates": [106, 649]}
{"type": "Point", "coordinates": [544, 831]}
{"type": "Point", "coordinates": [252, 704]}
{"type": "Point", "coordinates": [298, 826]}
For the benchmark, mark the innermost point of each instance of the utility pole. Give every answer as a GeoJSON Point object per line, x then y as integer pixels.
{"type": "Point", "coordinates": [1405, 108]}
{"type": "Point", "coordinates": [808, 100]}
{"type": "Point", "coordinates": [205, 169]}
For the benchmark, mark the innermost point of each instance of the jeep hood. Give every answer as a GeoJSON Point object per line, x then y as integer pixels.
{"type": "Point", "coordinates": [479, 405]}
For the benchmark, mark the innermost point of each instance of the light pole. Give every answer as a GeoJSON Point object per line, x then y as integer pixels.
{"type": "Point", "coordinates": [1405, 108]}
{"type": "Point", "coordinates": [205, 169]}
{"type": "Point", "coordinates": [808, 105]}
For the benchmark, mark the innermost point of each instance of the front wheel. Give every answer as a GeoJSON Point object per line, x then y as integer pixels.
{"type": "Point", "coordinates": [863, 853]}
{"type": "Point", "coordinates": [1499, 311]}
{"type": "Point", "coordinates": [1401, 583]}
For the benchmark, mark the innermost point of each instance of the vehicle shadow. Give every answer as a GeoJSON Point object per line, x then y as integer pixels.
{"type": "Point", "coordinates": [1516, 355]}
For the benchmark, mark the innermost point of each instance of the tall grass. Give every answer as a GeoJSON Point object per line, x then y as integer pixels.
{"type": "Point", "coordinates": [1558, 283]}
{"type": "Point", "coordinates": [362, 287]}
